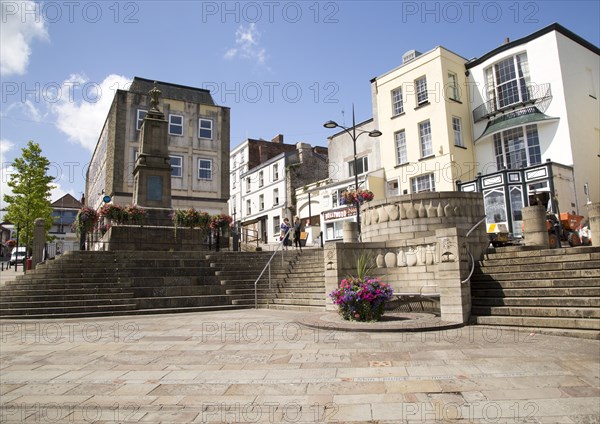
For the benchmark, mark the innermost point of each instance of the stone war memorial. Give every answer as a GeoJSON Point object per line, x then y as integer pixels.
{"type": "Point", "coordinates": [152, 192]}
{"type": "Point", "coordinates": [424, 246]}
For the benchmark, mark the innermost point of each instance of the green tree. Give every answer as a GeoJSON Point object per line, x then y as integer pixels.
{"type": "Point", "coordinates": [31, 186]}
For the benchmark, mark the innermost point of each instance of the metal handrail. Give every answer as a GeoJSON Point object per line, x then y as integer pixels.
{"type": "Point", "coordinates": [466, 280]}
{"type": "Point", "coordinates": [268, 265]}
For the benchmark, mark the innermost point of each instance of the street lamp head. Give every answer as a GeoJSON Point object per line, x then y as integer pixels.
{"type": "Point", "coordinates": [375, 133]}
{"type": "Point", "coordinates": [330, 124]}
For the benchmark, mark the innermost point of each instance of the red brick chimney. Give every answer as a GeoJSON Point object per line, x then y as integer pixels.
{"type": "Point", "coordinates": [277, 139]}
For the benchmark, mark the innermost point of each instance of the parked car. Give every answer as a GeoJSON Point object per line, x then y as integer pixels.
{"type": "Point", "coordinates": [18, 255]}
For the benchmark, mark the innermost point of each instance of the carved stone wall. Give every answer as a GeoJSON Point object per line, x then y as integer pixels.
{"type": "Point", "coordinates": [418, 244]}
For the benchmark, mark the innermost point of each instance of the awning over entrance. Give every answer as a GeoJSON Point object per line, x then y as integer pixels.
{"type": "Point", "coordinates": [515, 119]}
{"type": "Point", "coordinates": [254, 221]}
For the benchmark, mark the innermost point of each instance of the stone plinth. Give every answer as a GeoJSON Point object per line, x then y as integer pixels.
{"type": "Point", "coordinates": [39, 241]}
{"type": "Point", "coordinates": [594, 217]}
{"type": "Point", "coordinates": [534, 224]}
{"type": "Point", "coordinates": [129, 237]}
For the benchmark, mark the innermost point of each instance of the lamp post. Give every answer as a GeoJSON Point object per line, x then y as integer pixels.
{"type": "Point", "coordinates": [354, 136]}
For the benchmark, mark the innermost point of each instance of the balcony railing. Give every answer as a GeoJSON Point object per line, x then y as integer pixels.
{"type": "Point", "coordinates": [538, 94]}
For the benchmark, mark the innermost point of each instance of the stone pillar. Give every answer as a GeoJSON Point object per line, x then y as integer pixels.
{"type": "Point", "coordinates": [594, 217]}
{"type": "Point", "coordinates": [534, 223]}
{"type": "Point", "coordinates": [350, 232]}
{"type": "Point", "coordinates": [39, 241]}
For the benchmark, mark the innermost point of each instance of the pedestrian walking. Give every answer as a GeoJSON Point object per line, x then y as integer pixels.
{"type": "Point", "coordinates": [285, 233]}
{"type": "Point", "coordinates": [297, 233]}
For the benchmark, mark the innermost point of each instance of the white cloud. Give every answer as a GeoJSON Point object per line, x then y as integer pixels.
{"type": "Point", "coordinates": [81, 116]}
{"type": "Point", "coordinates": [6, 170]}
{"type": "Point", "coordinates": [247, 41]}
{"type": "Point", "coordinates": [17, 32]}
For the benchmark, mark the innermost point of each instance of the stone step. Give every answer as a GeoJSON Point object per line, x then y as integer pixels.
{"type": "Point", "coordinates": [301, 302]}
{"type": "Point", "coordinates": [545, 254]}
{"type": "Point", "coordinates": [515, 284]}
{"type": "Point", "coordinates": [532, 267]}
{"type": "Point", "coordinates": [174, 281]}
{"type": "Point", "coordinates": [66, 266]}
{"type": "Point", "coordinates": [551, 322]}
{"type": "Point", "coordinates": [66, 311]}
{"type": "Point", "coordinates": [59, 303]}
{"type": "Point", "coordinates": [537, 292]}
{"type": "Point", "coordinates": [14, 298]}
{"type": "Point", "coordinates": [70, 286]}
{"type": "Point", "coordinates": [538, 275]}
{"type": "Point", "coordinates": [521, 333]}
{"type": "Point", "coordinates": [279, 290]}
{"type": "Point", "coordinates": [301, 308]}
{"type": "Point", "coordinates": [181, 301]}
{"type": "Point", "coordinates": [542, 259]}
{"type": "Point", "coordinates": [177, 291]}
{"type": "Point", "coordinates": [66, 292]}
{"type": "Point", "coordinates": [563, 302]}
{"type": "Point", "coordinates": [538, 311]}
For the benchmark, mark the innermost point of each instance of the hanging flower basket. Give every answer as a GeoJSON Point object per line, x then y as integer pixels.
{"type": "Point", "coordinates": [114, 213]}
{"type": "Point", "coordinates": [220, 221]}
{"type": "Point", "coordinates": [86, 220]}
{"type": "Point", "coordinates": [361, 299]}
{"type": "Point", "coordinates": [190, 218]}
{"type": "Point", "coordinates": [134, 214]}
{"type": "Point", "coordinates": [356, 197]}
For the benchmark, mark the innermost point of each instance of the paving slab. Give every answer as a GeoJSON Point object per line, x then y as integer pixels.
{"type": "Point", "coordinates": [265, 366]}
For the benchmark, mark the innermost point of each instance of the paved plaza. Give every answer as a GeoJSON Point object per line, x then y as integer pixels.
{"type": "Point", "coordinates": [263, 366]}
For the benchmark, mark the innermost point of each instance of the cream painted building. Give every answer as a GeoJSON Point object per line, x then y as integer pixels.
{"type": "Point", "coordinates": [422, 110]}
{"type": "Point", "coordinates": [198, 143]}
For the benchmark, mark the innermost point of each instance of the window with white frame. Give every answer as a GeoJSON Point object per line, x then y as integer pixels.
{"type": "Point", "coordinates": [248, 184]}
{"type": "Point", "coordinates": [233, 179]}
{"type": "Point", "coordinates": [275, 171]}
{"type": "Point", "coordinates": [393, 188]}
{"type": "Point", "coordinates": [248, 207]}
{"type": "Point", "coordinates": [276, 225]}
{"type": "Point", "coordinates": [517, 147]}
{"type": "Point", "coordinates": [401, 155]}
{"type": "Point", "coordinates": [205, 128]}
{"type": "Point", "coordinates": [205, 169]}
{"type": "Point", "coordinates": [176, 165]}
{"type": "Point", "coordinates": [452, 86]}
{"type": "Point", "coordinates": [421, 90]}
{"type": "Point", "coordinates": [261, 179]}
{"type": "Point", "coordinates": [397, 103]}
{"type": "Point", "coordinates": [425, 138]}
{"type": "Point", "coordinates": [423, 183]}
{"type": "Point", "coordinates": [362, 166]}
{"type": "Point", "coordinates": [261, 202]}
{"type": "Point", "coordinates": [506, 81]}
{"type": "Point", "coordinates": [141, 113]}
{"type": "Point", "coordinates": [457, 129]}
{"type": "Point", "coordinates": [275, 196]}
{"type": "Point", "coordinates": [336, 196]}
{"type": "Point", "coordinates": [175, 124]}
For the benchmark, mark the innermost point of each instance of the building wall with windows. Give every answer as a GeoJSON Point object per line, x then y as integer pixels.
{"type": "Point", "coordinates": [198, 139]}
{"type": "Point", "coordinates": [422, 110]}
{"type": "Point", "coordinates": [248, 155]}
{"type": "Point", "coordinates": [268, 190]}
{"type": "Point", "coordinates": [536, 100]}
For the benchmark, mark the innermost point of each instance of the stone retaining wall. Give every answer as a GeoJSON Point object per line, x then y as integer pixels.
{"type": "Point", "coordinates": [419, 245]}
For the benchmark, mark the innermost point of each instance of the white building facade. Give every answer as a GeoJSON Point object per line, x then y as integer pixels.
{"type": "Point", "coordinates": [536, 122]}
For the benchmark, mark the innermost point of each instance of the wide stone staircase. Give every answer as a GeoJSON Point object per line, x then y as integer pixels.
{"type": "Point", "coordinates": [86, 284]}
{"type": "Point", "coordinates": [295, 283]}
{"type": "Point", "coordinates": [553, 291]}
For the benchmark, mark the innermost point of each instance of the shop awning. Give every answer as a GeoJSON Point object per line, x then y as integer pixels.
{"type": "Point", "coordinates": [510, 120]}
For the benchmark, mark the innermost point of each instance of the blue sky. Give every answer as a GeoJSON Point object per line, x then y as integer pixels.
{"type": "Point", "coordinates": [282, 67]}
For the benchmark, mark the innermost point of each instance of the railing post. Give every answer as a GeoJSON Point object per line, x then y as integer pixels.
{"type": "Point", "coordinates": [269, 275]}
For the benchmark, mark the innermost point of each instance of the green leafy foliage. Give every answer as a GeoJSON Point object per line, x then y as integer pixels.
{"type": "Point", "coordinates": [31, 186]}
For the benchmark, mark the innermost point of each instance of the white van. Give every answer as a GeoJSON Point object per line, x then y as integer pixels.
{"type": "Point", "coordinates": [18, 255]}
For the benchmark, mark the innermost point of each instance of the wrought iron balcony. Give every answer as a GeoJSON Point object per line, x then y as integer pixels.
{"type": "Point", "coordinates": [535, 94]}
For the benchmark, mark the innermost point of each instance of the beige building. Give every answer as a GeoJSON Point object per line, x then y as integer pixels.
{"type": "Point", "coordinates": [198, 143]}
{"type": "Point", "coordinates": [424, 115]}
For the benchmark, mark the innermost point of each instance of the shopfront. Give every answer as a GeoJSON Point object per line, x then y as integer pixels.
{"type": "Point", "coordinates": [333, 222]}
